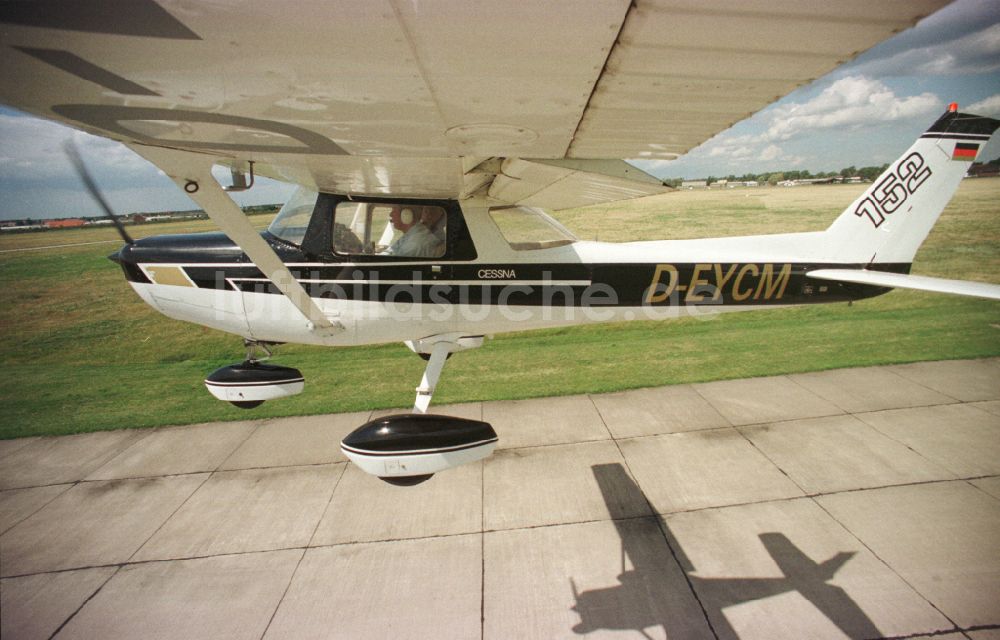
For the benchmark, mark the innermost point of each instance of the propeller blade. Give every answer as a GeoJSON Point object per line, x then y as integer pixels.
{"type": "Point", "coordinates": [81, 170]}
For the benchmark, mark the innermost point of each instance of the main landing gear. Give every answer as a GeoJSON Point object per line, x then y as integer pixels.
{"type": "Point", "coordinates": [249, 384]}
{"type": "Point", "coordinates": [407, 449]}
{"type": "Point", "coordinates": [403, 449]}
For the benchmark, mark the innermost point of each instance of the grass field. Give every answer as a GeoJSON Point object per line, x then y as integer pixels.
{"type": "Point", "coordinates": [83, 353]}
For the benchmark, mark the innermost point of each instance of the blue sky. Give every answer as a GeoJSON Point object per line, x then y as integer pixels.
{"type": "Point", "coordinates": [869, 111]}
{"type": "Point", "coordinates": [37, 180]}
{"type": "Point", "coordinates": [865, 113]}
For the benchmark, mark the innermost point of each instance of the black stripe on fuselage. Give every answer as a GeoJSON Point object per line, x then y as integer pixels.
{"type": "Point", "coordinates": [956, 136]}
{"type": "Point", "coordinates": [557, 285]}
{"type": "Point", "coordinates": [952, 123]}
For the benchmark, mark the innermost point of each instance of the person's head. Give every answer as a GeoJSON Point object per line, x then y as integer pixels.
{"type": "Point", "coordinates": [402, 218]}
{"type": "Point", "coordinates": [431, 216]}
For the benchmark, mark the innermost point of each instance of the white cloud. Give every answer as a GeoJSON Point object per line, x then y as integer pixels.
{"type": "Point", "coordinates": [731, 150]}
{"type": "Point", "coordinates": [37, 179]}
{"type": "Point", "coordinates": [770, 152]}
{"type": "Point", "coordinates": [851, 101]}
{"type": "Point", "coordinates": [29, 145]}
{"type": "Point", "coordinates": [32, 151]}
{"type": "Point", "coordinates": [988, 107]}
{"type": "Point", "coordinates": [854, 103]}
{"type": "Point", "coordinates": [972, 53]}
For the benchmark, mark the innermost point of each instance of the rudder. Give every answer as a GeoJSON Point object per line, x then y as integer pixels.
{"type": "Point", "coordinates": [889, 221]}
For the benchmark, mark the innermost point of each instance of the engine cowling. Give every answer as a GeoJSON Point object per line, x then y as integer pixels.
{"type": "Point", "coordinates": [407, 449]}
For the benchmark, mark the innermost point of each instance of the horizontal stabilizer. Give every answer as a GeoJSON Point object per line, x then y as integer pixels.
{"type": "Point", "coordinates": [907, 281]}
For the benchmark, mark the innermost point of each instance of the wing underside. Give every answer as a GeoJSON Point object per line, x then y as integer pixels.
{"type": "Point", "coordinates": [410, 99]}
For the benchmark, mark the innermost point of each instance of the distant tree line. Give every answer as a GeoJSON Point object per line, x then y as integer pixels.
{"type": "Point", "coordinates": [774, 177]}
{"type": "Point", "coordinates": [145, 216]}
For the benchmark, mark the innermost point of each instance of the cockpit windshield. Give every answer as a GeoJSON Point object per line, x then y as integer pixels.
{"type": "Point", "coordinates": [293, 219]}
{"type": "Point", "coordinates": [530, 229]}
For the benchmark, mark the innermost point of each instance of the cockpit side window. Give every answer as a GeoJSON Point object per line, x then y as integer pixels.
{"type": "Point", "coordinates": [530, 229]}
{"type": "Point", "coordinates": [293, 219]}
{"type": "Point", "coordinates": [389, 229]}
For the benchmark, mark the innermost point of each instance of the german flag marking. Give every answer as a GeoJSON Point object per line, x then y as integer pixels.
{"type": "Point", "coordinates": [965, 151]}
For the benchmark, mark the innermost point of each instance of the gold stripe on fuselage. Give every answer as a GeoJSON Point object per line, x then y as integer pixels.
{"type": "Point", "coordinates": [168, 275]}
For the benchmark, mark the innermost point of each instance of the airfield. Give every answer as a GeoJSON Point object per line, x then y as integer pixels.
{"type": "Point", "coordinates": [748, 476]}
{"type": "Point", "coordinates": [91, 356]}
{"type": "Point", "coordinates": [857, 503]}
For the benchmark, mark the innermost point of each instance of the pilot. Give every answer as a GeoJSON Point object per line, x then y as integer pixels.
{"type": "Point", "coordinates": [417, 241]}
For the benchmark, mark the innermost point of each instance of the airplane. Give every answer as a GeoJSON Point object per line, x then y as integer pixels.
{"type": "Point", "coordinates": [428, 139]}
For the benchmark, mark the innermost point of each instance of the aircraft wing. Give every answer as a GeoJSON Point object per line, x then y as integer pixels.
{"type": "Point", "coordinates": [908, 281]}
{"type": "Point", "coordinates": [436, 98]}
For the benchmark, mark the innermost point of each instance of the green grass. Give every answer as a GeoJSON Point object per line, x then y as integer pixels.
{"type": "Point", "coordinates": [83, 353]}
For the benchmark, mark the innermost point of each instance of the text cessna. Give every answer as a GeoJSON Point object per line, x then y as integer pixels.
{"type": "Point", "coordinates": [714, 282]}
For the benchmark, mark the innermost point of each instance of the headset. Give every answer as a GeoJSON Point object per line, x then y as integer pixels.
{"type": "Point", "coordinates": [406, 216]}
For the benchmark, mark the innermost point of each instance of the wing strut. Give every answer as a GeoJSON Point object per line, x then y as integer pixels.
{"type": "Point", "coordinates": [193, 173]}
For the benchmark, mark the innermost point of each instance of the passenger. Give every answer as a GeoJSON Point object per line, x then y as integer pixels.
{"type": "Point", "coordinates": [417, 240]}
{"type": "Point", "coordinates": [434, 219]}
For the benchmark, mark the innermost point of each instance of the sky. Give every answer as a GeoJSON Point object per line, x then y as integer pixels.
{"type": "Point", "coordinates": [867, 112]}
{"type": "Point", "coordinates": [37, 180]}
{"type": "Point", "coordinates": [863, 114]}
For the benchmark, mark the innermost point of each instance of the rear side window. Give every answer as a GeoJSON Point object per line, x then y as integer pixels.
{"type": "Point", "coordinates": [530, 229]}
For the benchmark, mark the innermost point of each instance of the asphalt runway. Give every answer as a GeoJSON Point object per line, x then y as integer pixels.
{"type": "Point", "coordinates": [858, 503]}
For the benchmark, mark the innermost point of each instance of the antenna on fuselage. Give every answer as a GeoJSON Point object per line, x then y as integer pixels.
{"type": "Point", "coordinates": [81, 170]}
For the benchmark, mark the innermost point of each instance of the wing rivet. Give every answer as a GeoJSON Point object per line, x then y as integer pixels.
{"type": "Point", "coordinates": [191, 186]}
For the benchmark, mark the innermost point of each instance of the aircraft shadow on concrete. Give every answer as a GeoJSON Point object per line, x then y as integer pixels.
{"type": "Point", "coordinates": [635, 603]}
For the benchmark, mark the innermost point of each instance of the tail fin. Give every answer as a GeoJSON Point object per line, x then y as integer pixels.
{"type": "Point", "coordinates": [888, 223]}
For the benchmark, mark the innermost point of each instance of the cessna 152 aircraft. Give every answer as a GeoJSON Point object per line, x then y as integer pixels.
{"type": "Point", "coordinates": [428, 137]}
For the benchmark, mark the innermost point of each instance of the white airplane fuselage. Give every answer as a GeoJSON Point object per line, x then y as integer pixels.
{"type": "Point", "coordinates": [504, 268]}
{"type": "Point", "coordinates": [501, 290]}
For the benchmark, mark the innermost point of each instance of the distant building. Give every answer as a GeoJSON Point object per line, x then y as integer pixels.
{"type": "Point", "coordinates": [68, 223]}
{"type": "Point", "coordinates": [979, 170]}
{"type": "Point", "coordinates": [694, 184]}
{"type": "Point", "coordinates": [25, 227]}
